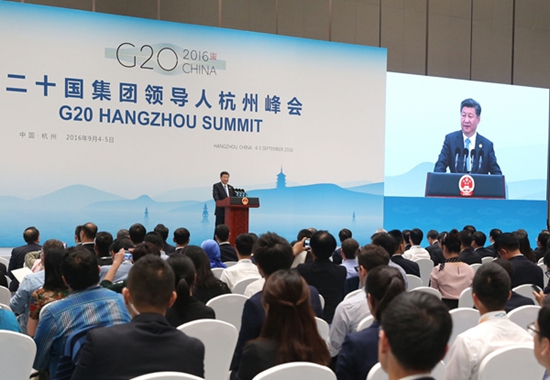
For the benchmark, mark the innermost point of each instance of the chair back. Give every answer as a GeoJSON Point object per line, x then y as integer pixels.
{"type": "Point", "coordinates": [4, 261]}
{"type": "Point", "coordinates": [486, 259]}
{"type": "Point", "coordinates": [8, 280]}
{"type": "Point", "coordinates": [365, 323]}
{"type": "Point", "coordinates": [5, 307]}
{"type": "Point", "coordinates": [427, 289]}
{"type": "Point", "coordinates": [426, 266]}
{"type": "Point", "coordinates": [217, 272]}
{"type": "Point", "coordinates": [167, 376]}
{"type": "Point", "coordinates": [322, 301]}
{"type": "Point", "coordinates": [463, 318]}
{"type": "Point", "coordinates": [230, 263]}
{"type": "Point", "coordinates": [475, 266]}
{"type": "Point", "coordinates": [377, 373]}
{"type": "Point", "coordinates": [351, 294]}
{"type": "Point", "coordinates": [512, 362]}
{"type": "Point", "coordinates": [323, 328]}
{"type": "Point", "coordinates": [297, 371]}
{"type": "Point", "coordinates": [465, 299]}
{"type": "Point", "coordinates": [228, 308]}
{"type": "Point", "coordinates": [5, 295]}
{"type": "Point", "coordinates": [523, 316]}
{"type": "Point", "coordinates": [17, 353]}
{"type": "Point", "coordinates": [414, 281]}
{"type": "Point", "coordinates": [544, 269]}
{"type": "Point", "coordinates": [240, 286]}
{"type": "Point", "coordinates": [526, 290]}
{"type": "Point", "coordinates": [219, 339]}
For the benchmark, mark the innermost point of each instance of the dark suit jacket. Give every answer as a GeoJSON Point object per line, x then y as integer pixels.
{"type": "Point", "coordinates": [485, 252]}
{"type": "Point", "coordinates": [188, 310]}
{"type": "Point", "coordinates": [169, 248]}
{"type": "Point", "coordinates": [359, 354]}
{"type": "Point", "coordinates": [17, 260]}
{"type": "Point", "coordinates": [436, 253]}
{"type": "Point", "coordinates": [410, 267]}
{"type": "Point", "coordinates": [526, 272]}
{"type": "Point", "coordinates": [517, 300]}
{"type": "Point", "coordinates": [218, 193]}
{"type": "Point", "coordinates": [146, 344]}
{"type": "Point", "coordinates": [228, 253]}
{"type": "Point", "coordinates": [257, 357]}
{"type": "Point", "coordinates": [454, 141]}
{"type": "Point", "coordinates": [539, 253]}
{"type": "Point", "coordinates": [253, 319]}
{"type": "Point", "coordinates": [329, 279]}
{"type": "Point", "coordinates": [469, 257]}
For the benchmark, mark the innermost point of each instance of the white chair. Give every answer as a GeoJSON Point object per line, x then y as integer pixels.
{"type": "Point", "coordinates": [487, 259]}
{"type": "Point", "coordinates": [322, 300]}
{"type": "Point", "coordinates": [377, 373]}
{"type": "Point", "coordinates": [541, 261]}
{"type": "Point", "coordinates": [426, 266]}
{"type": "Point", "coordinates": [217, 272]}
{"type": "Point", "coordinates": [523, 316]}
{"type": "Point", "coordinates": [297, 371]}
{"type": "Point", "coordinates": [228, 308]}
{"type": "Point", "coordinates": [323, 328]}
{"type": "Point", "coordinates": [464, 318]}
{"type": "Point", "coordinates": [465, 299]}
{"type": "Point", "coordinates": [365, 323]}
{"type": "Point", "coordinates": [5, 307]}
{"type": "Point", "coordinates": [351, 294]}
{"type": "Point", "coordinates": [513, 362]}
{"type": "Point", "coordinates": [230, 263]}
{"type": "Point", "coordinates": [475, 266]}
{"type": "Point", "coordinates": [526, 290]}
{"type": "Point", "coordinates": [17, 353]}
{"type": "Point", "coordinates": [5, 295]}
{"type": "Point", "coordinates": [8, 280]}
{"type": "Point", "coordinates": [427, 289]}
{"type": "Point", "coordinates": [4, 261]}
{"type": "Point", "coordinates": [544, 269]}
{"type": "Point", "coordinates": [219, 339]}
{"type": "Point", "coordinates": [414, 281]}
{"type": "Point", "coordinates": [167, 376]}
{"type": "Point", "coordinates": [240, 286]}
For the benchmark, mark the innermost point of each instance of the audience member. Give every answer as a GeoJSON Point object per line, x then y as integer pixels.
{"type": "Point", "coordinates": [88, 233]}
{"type": "Point", "coordinates": [540, 251]}
{"type": "Point", "coordinates": [289, 332]}
{"type": "Point", "coordinates": [396, 253]}
{"type": "Point", "coordinates": [77, 230]}
{"type": "Point", "coordinates": [302, 256]}
{"type": "Point", "coordinates": [525, 271]}
{"type": "Point", "coordinates": [163, 232]}
{"type": "Point", "coordinates": [221, 235]}
{"type": "Point", "coordinates": [349, 249]}
{"type": "Point", "coordinates": [415, 251]}
{"type": "Point", "coordinates": [102, 243]}
{"type": "Point", "coordinates": [468, 227]}
{"type": "Point", "coordinates": [406, 237]}
{"type": "Point", "coordinates": [148, 343]}
{"type": "Point", "coordinates": [17, 259]}
{"type": "Point", "coordinates": [123, 234]}
{"type": "Point", "coordinates": [155, 239]}
{"type": "Point", "coordinates": [88, 305]}
{"type": "Point", "coordinates": [467, 254]}
{"type": "Point", "coordinates": [540, 330]}
{"type": "Point", "coordinates": [137, 233]}
{"type": "Point", "coordinates": [186, 308]}
{"type": "Point", "coordinates": [342, 235]}
{"type": "Point", "coordinates": [212, 250]}
{"type": "Point", "coordinates": [515, 300]}
{"type": "Point", "coordinates": [181, 238]}
{"type": "Point", "coordinates": [525, 245]}
{"type": "Point", "coordinates": [8, 321]}
{"type": "Point", "coordinates": [360, 349]}
{"type": "Point", "coordinates": [123, 269]}
{"type": "Point", "coordinates": [490, 291]}
{"type": "Point", "coordinates": [494, 234]}
{"type": "Point", "coordinates": [207, 285]}
{"type": "Point", "coordinates": [452, 276]}
{"type": "Point", "coordinates": [414, 337]}
{"type": "Point", "coordinates": [478, 244]}
{"type": "Point", "coordinates": [244, 268]}
{"type": "Point", "coordinates": [327, 277]}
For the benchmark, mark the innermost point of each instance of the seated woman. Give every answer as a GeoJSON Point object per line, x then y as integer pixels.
{"type": "Point", "coordinates": [207, 286]}
{"type": "Point", "coordinates": [54, 288]}
{"type": "Point", "coordinates": [289, 332]}
{"type": "Point", "coordinates": [186, 308]}
{"type": "Point", "coordinates": [452, 276]}
{"type": "Point", "coordinates": [359, 351]}
{"type": "Point", "coordinates": [212, 249]}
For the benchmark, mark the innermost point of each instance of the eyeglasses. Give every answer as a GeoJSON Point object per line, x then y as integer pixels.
{"type": "Point", "coordinates": [531, 329]}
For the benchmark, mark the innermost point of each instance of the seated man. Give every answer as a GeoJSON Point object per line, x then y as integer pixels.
{"type": "Point", "coordinates": [490, 291]}
{"type": "Point", "coordinates": [123, 270]}
{"type": "Point", "coordinates": [244, 268]}
{"type": "Point", "coordinates": [416, 252]}
{"type": "Point", "coordinates": [148, 343]}
{"type": "Point", "coordinates": [88, 305]}
{"type": "Point", "coordinates": [525, 271]}
{"type": "Point", "coordinates": [415, 336]}
{"type": "Point", "coordinates": [227, 251]}
{"type": "Point", "coordinates": [541, 335]}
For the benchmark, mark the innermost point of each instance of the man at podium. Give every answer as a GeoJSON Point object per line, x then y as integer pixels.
{"type": "Point", "coordinates": [466, 151]}
{"type": "Point", "coordinates": [222, 190]}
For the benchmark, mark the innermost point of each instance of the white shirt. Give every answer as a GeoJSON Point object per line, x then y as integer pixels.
{"type": "Point", "coordinates": [416, 252]}
{"type": "Point", "coordinates": [494, 331]}
{"type": "Point", "coordinates": [347, 316]}
{"type": "Point", "coordinates": [244, 268]}
{"type": "Point", "coordinates": [255, 287]}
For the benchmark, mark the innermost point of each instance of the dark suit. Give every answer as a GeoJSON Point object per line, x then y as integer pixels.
{"type": "Point", "coordinates": [218, 193]}
{"type": "Point", "coordinates": [492, 250]}
{"type": "Point", "coordinates": [146, 344]}
{"type": "Point", "coordinates": [17, 260]}
{"type": "Point", "coordinates": [329, 279]}
{"type": "Point", "coordinates": [359, 353]}
{"type": "Point", "coordinates": [257, 357]}
{"type": "Point", "coordinates": [410, 267]}
{"type": "Point", "coordinates": [484, 252]}
{"type": "Point", "coordinates": [469, 257]}
{"type": "Point", "coordinates": [517, 300]}
{"type": "Point", "coordinates": [227, 252]}
{"type": "Point", "coordinates": [168, 248]}
{"type": "Point", "coordinates": [539, 253]}
{"type": "Point", "coordinates": [454, 142]}
{"type": "Point", "coordinates": [436, 253]}
{"type": "Point", "coordinates": [526, 272]}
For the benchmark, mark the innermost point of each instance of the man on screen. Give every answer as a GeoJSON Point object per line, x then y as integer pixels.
{"type": "Point", "coordinates": [466, 151]}
{"type": "Point", "coordinates": [222, 190]}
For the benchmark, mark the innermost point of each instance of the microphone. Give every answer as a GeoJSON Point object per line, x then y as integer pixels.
{"type": "Point", "coordinates": [473, 161]}
{"type": "Point", "coordinates": [465, 157]}
{"type": "Point", "coordinates": [480, 161]}
{"type": "Point", "coordinates": [457, 152]}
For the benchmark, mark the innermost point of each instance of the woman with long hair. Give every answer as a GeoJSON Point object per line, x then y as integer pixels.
{"type": "Point", "coordinates": [187, 307]}
{"type": "Point", "coordinates": [206, 286]}
{"type": "Point", "coordinates": [212, 250]}
{"type": "Point", "coordinates": [359, 351]}
{"type": "Point", "coordinates": [452, 276]}
{"type": "Point", "coordinates": [289, 332]}
{"type": "Point", "coordinates": [54, 288]}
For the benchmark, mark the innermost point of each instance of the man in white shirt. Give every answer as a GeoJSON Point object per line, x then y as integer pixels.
{"type": "Point", "coordinates": [244, 268]}
{"type": "Point", "coordinates": [541, 335]}
{"type": "Point", "coordinates": [416, 251]}
{"type": "Point", "coordinates": [490, 291]}
{"type": "Point", "coordinates": [181, 238]}
{"type": "Point", "coordinates": [415, 336]}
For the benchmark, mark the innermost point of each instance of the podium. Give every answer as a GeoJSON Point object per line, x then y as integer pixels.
{"type": "Point", "coordinates": [236, 214]}
{"type": "Point", "coordinates": [463, 185]}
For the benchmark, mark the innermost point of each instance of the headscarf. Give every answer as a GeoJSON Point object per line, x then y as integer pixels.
{"type": "Point", "coordinates": [212, 249]}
